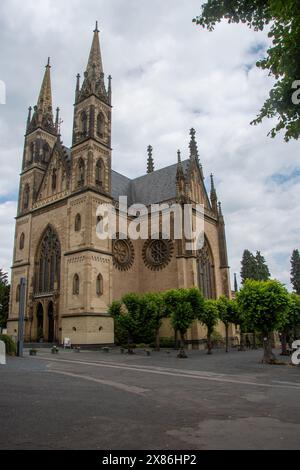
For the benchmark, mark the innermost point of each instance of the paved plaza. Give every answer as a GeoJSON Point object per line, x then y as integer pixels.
{"type": "Point", "coordinates": [97, 400]}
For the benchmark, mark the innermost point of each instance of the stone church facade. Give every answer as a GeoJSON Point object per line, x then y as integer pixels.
{"type": "Point", "coordinates": [73, 276]}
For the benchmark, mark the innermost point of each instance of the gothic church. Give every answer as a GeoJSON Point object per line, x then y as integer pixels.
{"type": "Point", "coordinates": [72, 276]}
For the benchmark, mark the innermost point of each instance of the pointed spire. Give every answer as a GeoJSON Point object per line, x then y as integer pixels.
{"type": "Point", "coordinates": [44, 103]}
{"type": "Point", "coordinates": [43, 111]}
{"type": "Point", "coordinates": [180, 178]}
{"type": "Point", "coordinates": [29, 116]}
{"type": "Point", "coordinates": [93, 83]}
{"type": "Point", "coordinates": [220, 210]}
{"type": "Point", "coordinates": [213, 195]}
{"type": "Point", "coordinates": [150, 161]}
{"type": "Point", "coordinates": [95, 60]}
{"type": "Point", "coordinates": [109, 88]}
{"type": "Point", "coordinates": [236, 288]}
{"type": "Point", "coordinates": [57, 120]}
{"type": "Point", "coordinates": [193, 145]}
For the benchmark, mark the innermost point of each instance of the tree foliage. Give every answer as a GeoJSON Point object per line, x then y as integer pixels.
{"type": "Point", "coordinates": [295, 271]}
{"type": "Point", "coordinates": [209, 318]}
{"type": "Point", "coordinates": [265, 306]}
{"type": "Point", "coordinates": [254, 267]}
{"type": "Point", "coordinates": [281, 18]}
{"type": "Point", "coordinates": [4, 298]}
{"type": "Point", "coordinates": [228, 314]}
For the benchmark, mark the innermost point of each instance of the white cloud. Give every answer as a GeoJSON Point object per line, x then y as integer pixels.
{"type": "Point", "coordinates": [168, 75]}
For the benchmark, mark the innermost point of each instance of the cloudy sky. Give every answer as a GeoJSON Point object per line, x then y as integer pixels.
{"type": "Point", "coordinates": [168, 76]}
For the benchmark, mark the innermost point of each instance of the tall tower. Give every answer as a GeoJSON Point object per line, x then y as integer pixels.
{"type": "Point", "coordinates": [40, 138]}
{"type": "Point", "coordinates": [91, 150]}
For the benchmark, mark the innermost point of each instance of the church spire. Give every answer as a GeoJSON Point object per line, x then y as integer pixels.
{"type": "Point", "coordinates": [213, 195]}
{"type": "Point", "coordinates": [193, 145]}
{"type": "Point", "coordinates": [194, 154]}
{"type": "Point", "coordinates": [44, 103]}
{"type": "Point", "coordinates": [43, 111]}
{"type": "Point", "coordinates": [93, 83]}
{"type": "Point", "coordinates": [150, 161]}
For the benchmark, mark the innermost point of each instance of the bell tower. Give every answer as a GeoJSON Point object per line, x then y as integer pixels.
{"type": "Point", "coordinates": [91, 150]}
{"type": "Point", "coordinates": [40, 138]}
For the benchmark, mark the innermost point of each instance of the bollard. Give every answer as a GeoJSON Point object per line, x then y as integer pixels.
{"type": "Point", "coordinates": [2, 353]}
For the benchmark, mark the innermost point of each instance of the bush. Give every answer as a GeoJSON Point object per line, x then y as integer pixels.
{"type": "Point", "coordinates": [217, 339]}
{"type": "Point", "coordinates": [11, 348]}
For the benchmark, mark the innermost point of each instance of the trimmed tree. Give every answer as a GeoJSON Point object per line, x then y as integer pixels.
{"type": "Point", "coordinates": [292, 324]}
{"type": "Point", "coordinates": [209, 318]}
{"type": "Point", "coordinates": [265, 306]}
{"type": "Point", "coordinates": [153, 311]}
{"type": "Point", "coordinates": [181, 312]}
{"type": "Point", "coordinates": [295, 271]}
{"type": "Point", "coordinates": [228, 315]}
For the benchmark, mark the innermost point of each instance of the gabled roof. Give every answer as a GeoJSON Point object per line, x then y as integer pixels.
{"type": "Point", "coordinates": [152, 188]}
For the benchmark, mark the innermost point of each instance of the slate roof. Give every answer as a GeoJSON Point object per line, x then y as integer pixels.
{"type": "Point", "coordinates": [148, 189]}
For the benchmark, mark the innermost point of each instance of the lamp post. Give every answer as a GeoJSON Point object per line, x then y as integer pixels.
{"type": "Point", "coordinates": [21, 317]}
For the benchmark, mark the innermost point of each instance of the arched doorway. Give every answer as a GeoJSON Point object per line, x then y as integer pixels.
{"type": "Point", "coordinates": [40, 322]}
{"type": "Point", "coordinates": [50, 323]}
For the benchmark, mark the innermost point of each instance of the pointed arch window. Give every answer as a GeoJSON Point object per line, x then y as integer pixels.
{"type": "Point", "coordinates": [83, 119]}
{"type": "Point", "coordinates": [31, 152]}
{"type": "Point", "coordinates": [54, 179]}
{"type": "Point", "coordinates": [100, 125]}
{"type": "Point", "coordinates": [48, 262]}
{"type": "Point", "coordinates": [18, 293]}
{"type": "Point", "coordinates": [78, 223]}
{"type": "Point", "coordinates": [99, 285]}
{"type": "Point", "coordinates": [206, 272]}
{"type": "Point", "coordinates": [81, 173]}
{"type": "Point", "coordinates": [22, 241]}
{"type": "Point", "coordinates": [76, 285]}
{"type": "Point", "coordinates": [26, 197]}
{"type": "Point", "coordinates": [46, 152]}
{"type": "Point", "coordinates": [99, 173]}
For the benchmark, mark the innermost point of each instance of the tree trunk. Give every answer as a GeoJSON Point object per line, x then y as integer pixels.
{"type": "Point", "coordinates": [227, 337]}
{"type": "Point", "coordinates": [242, 340]}
{"type": "Point", "coordinates": [254, 340]}
{"type": "Point", "coordinates": [284, 343]}
{"type": "Point", "coordinates": [157, 341]}
{"type": "Point", "coordinates": [209, 345]}
{"type": "Point", "coordinates": [176, 340]}
{"type": "Point", "coordinates": [182, 353]}
{"type": "Point", "coordinates": [269, 357]}
{"type": "Point", "coordinates": [130, 349]}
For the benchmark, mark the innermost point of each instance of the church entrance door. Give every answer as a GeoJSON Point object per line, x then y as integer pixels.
{"type": "Point", "coordinates": [50, 323]}
{"type": "Point", "coordinates": [40, 322]}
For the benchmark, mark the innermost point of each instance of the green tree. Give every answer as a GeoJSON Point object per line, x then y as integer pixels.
{"type": "Point", "coordinates": [228, 315]}
{"type": "Point", "coordinates": [154, 311]}
{"type": "Point", "coordinates": [292, 323]}
{"type": "Point", "coordinates": [209, 317]}
{"type": "Point", "coordinates": [265, 306]}
{"type": "Point", "coordinates": [181, 312]}
{"type": "Point", "coordinates": [249, 266]}
{"type": "Point", "coordinates": [282, 20]}
{"type": "Point", "coordinates": [295, 271]}
{"type": "Point", "coordinates": [262, 270]}
{"type": "Point", "coordinates": [4, 298]}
